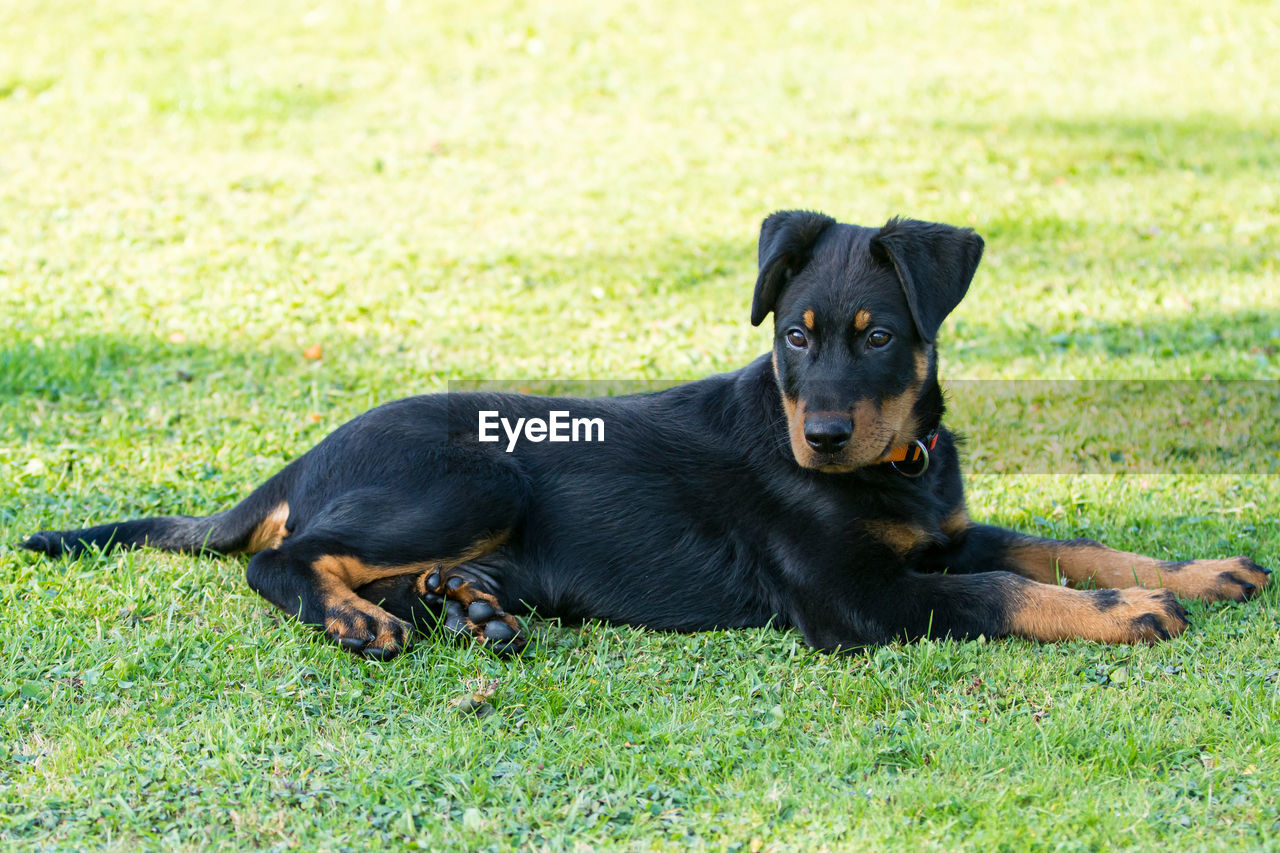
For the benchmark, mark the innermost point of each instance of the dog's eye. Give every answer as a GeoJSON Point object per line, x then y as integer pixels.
{"type": "Point", "coordinates": [879, 339]}
{"type": "Point", "coordinates": [797, 338]}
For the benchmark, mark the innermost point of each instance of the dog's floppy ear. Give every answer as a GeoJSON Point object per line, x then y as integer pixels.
{"type": "Point", "coordinates": [786, 241]}
{"type": "Point", "coordinates": [934, 263]}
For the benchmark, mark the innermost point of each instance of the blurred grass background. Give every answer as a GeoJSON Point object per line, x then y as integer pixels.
{"type": "Point", "coordinates": [193, 197]}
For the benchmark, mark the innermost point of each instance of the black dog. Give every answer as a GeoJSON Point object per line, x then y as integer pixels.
{"type": "Point", "coordinates": [814, 488]}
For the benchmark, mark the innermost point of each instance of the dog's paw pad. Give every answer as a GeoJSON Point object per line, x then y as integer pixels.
{"type": "Point", "coordinates": [504, 637]}
{"type": "Point", "coordinates": [455, 618]}
{"type": "Point", "coordinates": [499, 632]}
{"type": "Point", "coordinates": [480, 611]}
{"type": "Point", "coordinates": [494, 628]}
{"type": "Point", "coordinates": [468, 610]}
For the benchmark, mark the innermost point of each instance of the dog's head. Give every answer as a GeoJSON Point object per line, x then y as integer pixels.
{"type": "Point", "coordinates": [856, 311]}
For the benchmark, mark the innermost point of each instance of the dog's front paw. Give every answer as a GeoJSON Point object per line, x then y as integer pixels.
{"type": "Point", "coordinates": [1232, 579]}
{"type": "Point", "coordinates": [367, 630]}
{"type": "Point", "coordinates": [1051, 613]}
{"type": "Point", "coordinates": [1147, 615]}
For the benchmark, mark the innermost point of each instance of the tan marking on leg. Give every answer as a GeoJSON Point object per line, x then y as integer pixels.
{"type": "Point", "coordinates": [353, 572]}
{"type": "Point", "coordinates": [1052, 613]}
{"type": "Point", "coordinates": [956, 523]}
{"type": "Point", "coordinates": [270, 532]}
{"type": "Point", "coordinates": [901, 537]}
{"type": "Point", "coordinates": [862, 320]}
{"type": "Point", "coordinates": [1035, 562]}
{"type": "Point", "coordinates": [808, 319]}
{"type": "Point", "coordinates": [1084, 564]}
{"type": "Point", "coordinates": [348, 616]}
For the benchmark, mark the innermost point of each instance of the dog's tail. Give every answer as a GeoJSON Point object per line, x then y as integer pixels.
{"type": "Point", "coordinates": [257, 522]}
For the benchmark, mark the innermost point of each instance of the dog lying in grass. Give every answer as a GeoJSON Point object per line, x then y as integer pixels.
{"type": "Point", "coordinates": [815, 488]}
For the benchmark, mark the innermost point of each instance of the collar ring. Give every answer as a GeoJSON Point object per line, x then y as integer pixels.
{"type": "Point", "coordinates": [922, 460]}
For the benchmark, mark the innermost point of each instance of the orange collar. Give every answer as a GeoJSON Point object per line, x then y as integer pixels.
{"type": "Point", "coordinates": [915, 451]}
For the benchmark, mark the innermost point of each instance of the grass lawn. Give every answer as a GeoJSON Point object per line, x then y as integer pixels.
{"type": "Point", "coordinates": [193, 196]}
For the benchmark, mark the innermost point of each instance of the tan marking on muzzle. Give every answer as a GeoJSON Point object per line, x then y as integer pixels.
{"type": "Point", "coordinates": [894, 418]}
{"type": "Point", "coordinates": [794, 411]}
{"type": "Point", "coordinates": [876, 424]}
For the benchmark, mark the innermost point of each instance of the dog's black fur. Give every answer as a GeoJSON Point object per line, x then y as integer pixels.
{"type": "Point", "coordinates": [755, 497]}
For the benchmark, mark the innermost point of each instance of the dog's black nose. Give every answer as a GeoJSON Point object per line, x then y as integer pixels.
{"type": "Point", "coordinates": [827, 433]}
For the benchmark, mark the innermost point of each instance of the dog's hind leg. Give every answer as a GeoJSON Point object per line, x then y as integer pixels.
{"type": "Point", "coordinates": [300, 588]}
{"type": "Point", "coordinates": [367, 536]}
{"type": "Point", "coordinates": [461, 600]}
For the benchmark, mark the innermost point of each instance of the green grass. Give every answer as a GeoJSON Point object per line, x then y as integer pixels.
{"type": "Point", "coordinates": [190, 197]}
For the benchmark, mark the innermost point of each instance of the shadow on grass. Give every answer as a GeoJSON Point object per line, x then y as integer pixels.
{"type": "Point", "coordinates": [121, 367]}
{"type": "Point", "coordinates": [1148, 251]}
{"type": "Point", "coordinates": [1204, 144]}
{"type": "Point", "coordinates": [109, 366]}
{"type": "Point", "coordinates": [1254, 332]}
